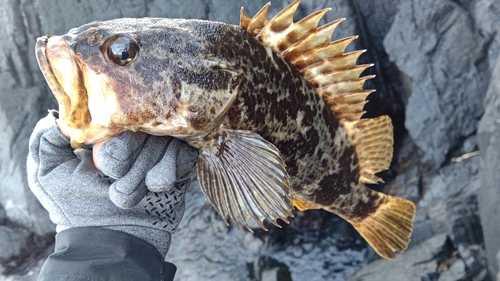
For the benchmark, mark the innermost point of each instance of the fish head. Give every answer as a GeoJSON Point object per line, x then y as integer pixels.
{"type": "Point", "coordinates": [160, 76]}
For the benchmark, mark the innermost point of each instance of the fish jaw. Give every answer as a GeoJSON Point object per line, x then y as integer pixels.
{"type": "Point", "coordinates": [67, 82]}
{"type": "Point", "coordinates": [48, 72]}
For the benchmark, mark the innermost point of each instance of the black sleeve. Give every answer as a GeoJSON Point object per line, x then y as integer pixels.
{"type": "Point", "coordinates": [94, 253]}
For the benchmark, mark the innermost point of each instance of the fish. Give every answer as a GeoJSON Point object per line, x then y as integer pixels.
{"type": "Point", "coordinates": [274, 107]}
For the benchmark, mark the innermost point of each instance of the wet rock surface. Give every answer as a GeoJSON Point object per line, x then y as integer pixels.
{"type": "Point", "coordinates": [438, 71]}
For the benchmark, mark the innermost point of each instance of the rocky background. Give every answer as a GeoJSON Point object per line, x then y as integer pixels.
{"type": "Point", "coordinates": [438, 76]}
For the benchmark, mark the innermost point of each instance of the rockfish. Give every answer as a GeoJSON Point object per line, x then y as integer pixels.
{"type": "Point", "coordinates": [274, 108]}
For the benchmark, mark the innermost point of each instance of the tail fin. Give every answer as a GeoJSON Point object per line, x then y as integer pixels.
{"type": "Point", "coordinates": [389, 228]}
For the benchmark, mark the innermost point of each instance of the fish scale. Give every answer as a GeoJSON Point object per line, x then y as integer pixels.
{"type": "Point", "coordinates": [273, 107]}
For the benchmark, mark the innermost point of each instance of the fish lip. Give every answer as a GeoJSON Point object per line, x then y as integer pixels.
{"type": "Point", "coordinates": [48, 73]}
{"type": "Point", "coordinates": [52, 50]}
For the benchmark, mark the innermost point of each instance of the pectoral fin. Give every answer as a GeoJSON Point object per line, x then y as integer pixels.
{"type": "Point", "coordinates": [244, 177]}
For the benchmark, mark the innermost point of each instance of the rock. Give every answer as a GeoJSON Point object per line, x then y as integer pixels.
{"type": "Point", "coordinates": [436, 45]}
{"type": "Point", "coordinates": [21, 79]}
{"type": "Point", "coordinates": [489, 195]}
{"type": "Point", "coordinates": [268, 269]}
{"type": "Point", "coordinates": [488, 138]}
{"type": "Point", "coordinates": [455, 272]}
{"type": "Point", "coordinates": [415, 264]}
{"type": "Point", "coordinates": [463, 221]}
{"type": "Point", "coordinates": [498, 264]}
{"type": "Point", "coordinates": [29, 270]}
{"type": "Point", "coordinates": [434, 259]}
{"type": "Point", "coordinates": [466, 235]}
{"type": "Point", "coordinates": [474, 257]}
{"type": "Point", "coordinates": [3, 216]}
{"type": "Point", "coordinates": [408, 182]}
{"type": "Point", "coordinates": [374, 20]}
{"type": "Point", "coordinates": [11, 242]}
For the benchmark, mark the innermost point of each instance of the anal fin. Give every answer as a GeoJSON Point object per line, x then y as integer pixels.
{"type": "Point", "coordinates": [389, 228]}
{"type": "Point", "coordinates": [243, 177]}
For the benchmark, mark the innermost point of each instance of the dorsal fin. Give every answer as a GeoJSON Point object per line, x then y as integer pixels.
{"type": "Point", "coordinates": [333, 73]}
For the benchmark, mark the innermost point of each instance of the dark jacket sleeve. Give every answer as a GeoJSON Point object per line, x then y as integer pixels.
{"type": "Point", "coordinates": [94, 253]}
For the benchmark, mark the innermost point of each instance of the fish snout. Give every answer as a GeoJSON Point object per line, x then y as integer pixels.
{"type": "Point", "coordinates": [61, 73]}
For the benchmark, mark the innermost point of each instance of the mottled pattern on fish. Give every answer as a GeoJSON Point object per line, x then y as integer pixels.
{"type": "Point", "coordinates": [273, 107]}
{"type": "Point", "coordinates": [318, 155]}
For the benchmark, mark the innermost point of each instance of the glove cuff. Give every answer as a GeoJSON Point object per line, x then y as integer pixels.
{"type": "Point", "coordinates": [158, 238]}
{"type": "Point", "coordinates": [95, 253]}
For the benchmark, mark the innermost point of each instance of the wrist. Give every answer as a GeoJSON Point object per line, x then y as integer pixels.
{"type": "Point", "coordinates": [157, 238]}
{"type": "Point", "coordinates": [96, 253]}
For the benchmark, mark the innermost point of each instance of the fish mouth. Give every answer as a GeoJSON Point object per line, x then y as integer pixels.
{"type": "Point", "coordinates": [59, 69]}
{"type": "Point", "coordinates": [66, 80]}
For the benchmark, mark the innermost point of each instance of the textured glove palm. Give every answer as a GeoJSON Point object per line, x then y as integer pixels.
{"type": "Point", "coordinates": [140, 189]}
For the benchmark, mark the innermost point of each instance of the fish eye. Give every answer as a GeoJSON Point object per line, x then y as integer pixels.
{"type": "Point", "coordinates": [121, 50]}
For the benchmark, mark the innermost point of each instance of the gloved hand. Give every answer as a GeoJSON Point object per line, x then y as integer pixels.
{"type": "Point", "coordinates": [135, 161]}
{"type": "Point", "coordinates": [140, 189]}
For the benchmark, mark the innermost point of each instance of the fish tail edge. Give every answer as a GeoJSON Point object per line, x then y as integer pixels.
{"type": "Point", "coordinates": [389, 228]}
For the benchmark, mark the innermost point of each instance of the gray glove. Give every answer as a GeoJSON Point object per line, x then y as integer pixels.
{"type": "Point", "coordinates": [135, 161]}
{"type": "Point", "coordinates": [76, 194]}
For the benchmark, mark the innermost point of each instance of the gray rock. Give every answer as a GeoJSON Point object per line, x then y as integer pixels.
{"type": "Point", "coordinates": [498, 264]}
{"type": "Point", "coordinates": [3, 216]}
{"type": "Point", "coordinates": [488, 139]}
{"type": "Point", "coordinates": [434, 259]}
{"type": "Point", "coordinates": [23, 98]}
{"type": "Point", "coordinates": [455, 272]}
{"type": "Point", "coordinates": [11, 242]}
{"type": "Point", "coordinates": [489, 196]}
{"type": "Point", "coordinates": [436, 44]}
{"type": "Point", "coordinates": [408, 181]}
{"type": "Point", "coordinates": [474, 257]}
{"type": "Point", "coordinates": [463, 222]}
{"type": "Point", "coordinates": [466, 235]}
{"type": "Point", "coordinates": [268, 269]}
{"type": "Point", "coordinates": [414, 264]}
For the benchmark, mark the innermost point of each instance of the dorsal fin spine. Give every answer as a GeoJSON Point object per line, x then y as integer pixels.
{"type": "Point", "coordinates": [339, 76]}
{"type": "Point", "coordinates": [244, 19]}
{"type": "Point", "coordinates": [254, 25]}
{"type": "Point", "coordinates": [300, 29]}
{"type": "Point", "coordinates": [344, 87]}
{"type": "Point", "coordinates": [283, 18]}
{"type": "Point", "coordinates": [319, 38]}
{"type": "Point", "coordinates": [328, 58]}
{"type": "Point", "coordinates": [278, 26]}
